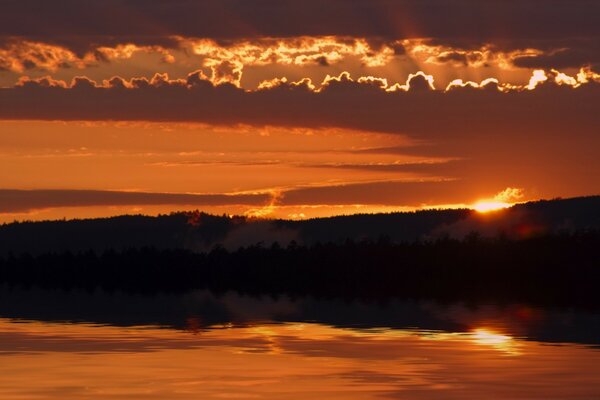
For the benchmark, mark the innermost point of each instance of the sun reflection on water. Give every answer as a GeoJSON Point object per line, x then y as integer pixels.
{"type": "Point", "coordinates": [498, 341]}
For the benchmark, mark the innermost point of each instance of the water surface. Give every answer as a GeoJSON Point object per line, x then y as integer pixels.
{"type": "Point", "coordinates": [201, 346]}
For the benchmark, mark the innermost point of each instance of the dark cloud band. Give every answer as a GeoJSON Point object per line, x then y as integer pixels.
{"type": "Point", "coordinates": [490, 19]}
{"type": "Point", "coordinates": [17, 201]}
{"type": "Point", "coordinates": [342, 103]}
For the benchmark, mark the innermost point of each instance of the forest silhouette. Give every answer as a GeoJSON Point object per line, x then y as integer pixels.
{"type": "Point", "coordinates": [543, 252]}
{"type": "Point", "coordinates": [560, 269]}
{"type": "Point", "coordinates": [198, 231]}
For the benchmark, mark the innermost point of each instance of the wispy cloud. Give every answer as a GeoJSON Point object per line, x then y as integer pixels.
{"type": "Point", "coordinates": [19, 201]}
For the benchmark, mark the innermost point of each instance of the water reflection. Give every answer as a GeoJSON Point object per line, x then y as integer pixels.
{"type": "Point", "coordinates": [74, 345]}
{"type": "Point", "coordinates": [496, 340]}
{"type": "Point", "coordinates": [285, 361]}
{"type": "Point", "coordinates": [200, 310]}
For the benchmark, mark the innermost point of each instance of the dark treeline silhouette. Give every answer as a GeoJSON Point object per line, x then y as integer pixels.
{"type": "Point", "coordinates": [199, 231]}
{"type": "Point", "coordinates": [176, 230]}
{"type": "Point", "coordinates": [554, 269]}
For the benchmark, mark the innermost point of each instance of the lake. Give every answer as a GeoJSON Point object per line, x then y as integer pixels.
{"type": "Point", "coordinates": [80, 345]}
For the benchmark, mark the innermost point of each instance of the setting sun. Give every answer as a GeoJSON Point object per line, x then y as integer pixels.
{"type": "Point", "coordinates": [504, 199]}
{"type": "Point", "coordinates": [489, 206]}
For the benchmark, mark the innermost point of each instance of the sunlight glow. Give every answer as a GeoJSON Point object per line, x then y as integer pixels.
{"type": "Point", "coordinates": [539, 76]}
{"type": "Point", "coordinates": [498, 341]}
{"type": "Point", "coordinates": [488, 206]}
{"type": "Point", "coordinates": [504, 199]}
{"type": "Point", "coordinates": [485, 336]}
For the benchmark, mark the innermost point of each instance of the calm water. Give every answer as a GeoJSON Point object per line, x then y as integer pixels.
{"type": "Point", "coordinates": [198, 346]}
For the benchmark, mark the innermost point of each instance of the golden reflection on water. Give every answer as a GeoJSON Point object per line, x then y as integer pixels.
{"type": "Point", "coordinates": [504, 343]}
{"type": "Point", "coordinates": [41, 360]}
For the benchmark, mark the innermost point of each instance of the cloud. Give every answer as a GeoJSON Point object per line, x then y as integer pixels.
{"type": "Point", "coordinates": [363, 104]}
{"type": "Point", "coordinates": [510, 195]}
{"type": "Point", "coordinates": [288, 18]}
{"type": "Point", "coordinates": [562, 55]}
{"type": "Point", "coordinates": [234, 55]}
{"type": "Point", "coordinates": [22, 55]}
{"type": "Point", "coordinates": [469, 31]}
{"type": "Point", "coordinates": [18, 201]}
{"type": "Point", "coordinates": [301, 50]}
{"type": "Point", "coordinates": [512, 136]}
{"type": "Point", "coordinates": [400, 193]}
{"type": "Point", "coordinates": [415, 167]}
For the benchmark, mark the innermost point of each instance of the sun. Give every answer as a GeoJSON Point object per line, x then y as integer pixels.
{"type": "Point", "coordinates": [489, 206]}
{"type": "Point", "coordinates": [504, 199]}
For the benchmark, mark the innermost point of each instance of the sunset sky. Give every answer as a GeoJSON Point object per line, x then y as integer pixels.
{"type": "Point", "coordinates": [294, 108]}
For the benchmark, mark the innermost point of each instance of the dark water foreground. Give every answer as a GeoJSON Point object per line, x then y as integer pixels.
{"type": "Point", "coordinates": [98, 345]}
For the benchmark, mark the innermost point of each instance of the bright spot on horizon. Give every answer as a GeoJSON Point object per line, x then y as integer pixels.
{"type": "Point", "coordinates": [496, 340]}
{"type": "Point", "coordinates": [489, 206]}
{"type": "Point", "coordinates": [500, 201]}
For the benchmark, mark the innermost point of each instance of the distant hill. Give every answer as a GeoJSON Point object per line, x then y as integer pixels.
{"type": "Point", "coordinates": [199, 231]}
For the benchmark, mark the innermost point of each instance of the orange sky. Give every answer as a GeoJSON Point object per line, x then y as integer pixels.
{"type": "Point", "coordinates": [381, 114]}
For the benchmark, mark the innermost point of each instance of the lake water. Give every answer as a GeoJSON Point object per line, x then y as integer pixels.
{"type": "Point", "coordinates": [200, 346]}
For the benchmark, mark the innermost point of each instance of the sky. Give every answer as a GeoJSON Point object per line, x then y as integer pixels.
{"type": "Point", "coordinates": [294, 109]}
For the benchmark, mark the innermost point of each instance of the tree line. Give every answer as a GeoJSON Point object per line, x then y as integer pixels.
{"type": "Point", "coordinates": [552, 269]}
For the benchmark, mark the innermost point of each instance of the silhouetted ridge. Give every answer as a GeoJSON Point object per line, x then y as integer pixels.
{"type": "Point", "coordinates": [199, 231]}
